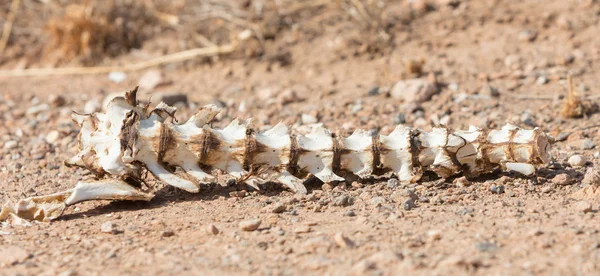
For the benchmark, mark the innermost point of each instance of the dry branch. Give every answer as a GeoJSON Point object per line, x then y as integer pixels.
{"type": "Point", "coordinates": [170, 58]}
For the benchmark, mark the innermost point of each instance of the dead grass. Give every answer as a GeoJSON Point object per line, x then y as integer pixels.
{"type": "Point", "coordinates": [87, 33]}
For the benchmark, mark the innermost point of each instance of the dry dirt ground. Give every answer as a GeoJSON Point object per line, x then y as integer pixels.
{"type": "Point", "coordinates": [495, 62]}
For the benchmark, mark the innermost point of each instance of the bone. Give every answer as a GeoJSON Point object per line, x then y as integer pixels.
{"type": "Point", "coordinates": [317, 156]}
{"type": "Point", "coordinates": [129, 137]}
{"type": "Point", "coordinates": [359, 159]}
{"type": "Point", "coordinates": [50, 207]}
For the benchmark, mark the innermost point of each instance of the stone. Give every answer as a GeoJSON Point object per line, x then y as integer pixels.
{"type": "Point", "coordinates": [173, 98]}
{"type": "Point", "coordinates": [34, 110]}
{"type": "Point", "coordinates": [415, 91]}
{"type": "Point", "coordinates": [434, 235]}
{"type": "Point", "coordinates": [108, 228]}
{"type": "Point", "coordinates": [541, 80]}
{"type": "Point", "coordinates": [400, 119]}
{"type": "Point", "coordinates": [302, 229]}
{"type": "Point", "coordinates": [488, 90]}
{"type": "Point", "coordinates": [486, 246]}
{"type": "Point", "coordinates": [562, 179]}
{"type": "Point", "coordinates": [577, 160]}
{"type": "Point", "coordinates": [342, 200]}
{"type": "Point", "coordinates": [377, 201]}
{"type": "Point", "coordinates": [409, 204]}
{"type": "Point", "coordinates": [527, 119]}
{"type": "Point", "coordinates": [167, 233]}
{"type": "Point", "coordinates": [342, 241]}
{"type": "Point", "coordinates": [117, 77]}
{"type": "Point", "coordinates": [374, 91]}
{"type": "Point", "coordinates": [308, 119]}
{"type": "Point", "coordinates": [56, 100]}
{"type": "Point", "coordinates": [393, 183]}
{"type": "Point", "coordinates": [11, 144]}
{"type": "Point", "coordinates": [52, 137]}
{"type": "Point", "coordinates": [527, 35]}
{"type": "Point", "coordinates": [211, 228]}
{"type": "Point", "coordinates": [278, 208]}
{"type": "Point", "coordinates": [461, 182]}
{"type": "Point", "coordinates": [583, 206]}
{"type": "Point", "coordinates": [287, 96]}
{"type": "Point", "coordinates": [350, 213]}
{"type": "Point", "coordinates": [250, 225]}
{"type": "Point", "coordinates": [499, 189]}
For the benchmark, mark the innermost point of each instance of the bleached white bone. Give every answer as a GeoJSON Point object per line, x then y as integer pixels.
{"type": "Point", "coordinates": [129, 138]}
{"type": "Point", "coordinates": [49, 207]}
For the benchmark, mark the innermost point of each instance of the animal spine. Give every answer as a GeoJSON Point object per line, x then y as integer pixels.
{"type": "Point", "coordinates": [129, 138]}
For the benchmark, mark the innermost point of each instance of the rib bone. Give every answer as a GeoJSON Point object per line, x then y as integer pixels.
{"type": "Point", "coordinates": [129, 138]}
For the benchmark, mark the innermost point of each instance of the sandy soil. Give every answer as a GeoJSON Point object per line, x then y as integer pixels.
{"type": "Point", "coordinates": [495, 62]}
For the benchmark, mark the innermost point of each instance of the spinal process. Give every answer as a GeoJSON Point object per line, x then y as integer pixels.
{"type": "Point", "coordinates": [129, 139]}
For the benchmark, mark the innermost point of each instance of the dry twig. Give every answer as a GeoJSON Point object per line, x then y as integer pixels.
{"type": "Point", "coordinates": [170, 58]}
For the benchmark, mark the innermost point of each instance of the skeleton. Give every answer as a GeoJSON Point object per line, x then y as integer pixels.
{"type": "Point", "coordinates": [129, 139]}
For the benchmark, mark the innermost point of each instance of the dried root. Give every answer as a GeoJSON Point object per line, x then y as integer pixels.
{"type": "Point", "coordinates": [129, 138]}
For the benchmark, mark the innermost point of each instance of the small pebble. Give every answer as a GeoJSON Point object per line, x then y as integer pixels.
{"type": "Point", "coordinates": [52, 137]}
{"type": "Point", "coordinates": [577, 160]}
{"type": "Point", "coordinates": [393, 183]}
{"type": "Point", "coordinates": [167, 233]}
{"type": "Point", "coordinates": [434, 235]}
{"type": "Point", "coordinates": [213, 229]}
{"type": "Point", "coordinates": [486, 246]}
{"type": "Point", "coordinates": [10, 144]}
{"type": "Point", "coordinates": [342, 241]}
{"type": "Point", "coordinates": [342, 201]}
{"type": "Point", "coordinates": [34, 110]}
{"type": "Point", "coordinates": [562, 179]}
{"type": "Point", "coordinates": [374, 91]}
{"type": "Point", "coordinates": [308, 119]}
{"type": "Point", "coordinates": [250, 225]}
{"type": "Point", "coordinates": [108, 227]}
{"type": "Point", "coordinates": [302, 229]}
{"type": "Point", "coordinates": [488, 90]}
{"type": "Point", "coordinates": [583, 206]}
{"type": "Point", "coordinates": [541, 80]}
{"type": "Point", "coordinates": [411, 194]}
{"type": "Point", "coordinates": [409, 204]}
{"type": "Point", "coordinates": [527, 35]}
{"type": "Point", "coordinates": [350, 213]}
{"type": "Point", "coordinates": [56, 100]}
{"type": "Point", "coordinates": [497, 189]}
{"type": "Point", "coordinates": [117, 77]}
{"type": "Point", "coordinates": [173, 98]}
{"type": "Point", "coordinates": [400, 119]}
{"type": "Point", "coordinates": [278, 208]}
